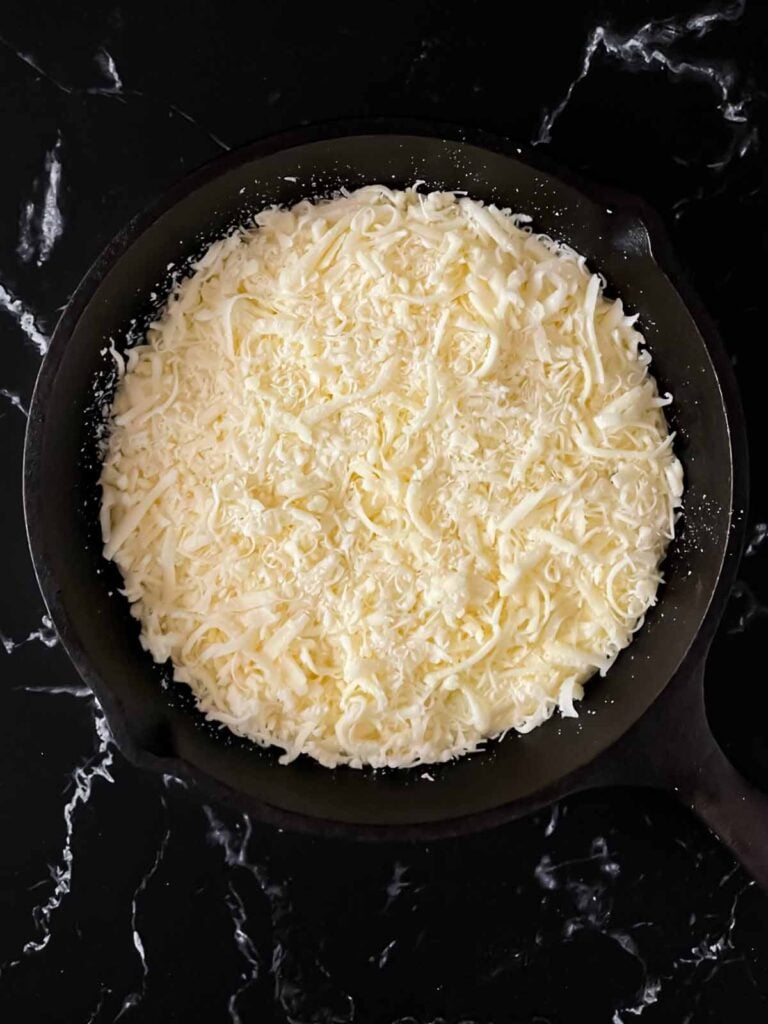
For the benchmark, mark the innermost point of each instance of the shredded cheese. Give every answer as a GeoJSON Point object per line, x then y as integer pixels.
{"type": "Point", "coordinates": [388, 477]}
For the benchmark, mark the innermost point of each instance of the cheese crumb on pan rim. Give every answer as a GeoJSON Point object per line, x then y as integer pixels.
{"type": "Point", "coordinates": [388, 477]}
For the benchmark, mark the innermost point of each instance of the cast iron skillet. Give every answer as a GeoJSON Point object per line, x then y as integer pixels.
{"type": "Point", "coordinates": [643, 724]}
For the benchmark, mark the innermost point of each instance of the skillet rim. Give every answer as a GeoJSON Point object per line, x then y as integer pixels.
{"type": "Point", "coordinates": [661, 253]}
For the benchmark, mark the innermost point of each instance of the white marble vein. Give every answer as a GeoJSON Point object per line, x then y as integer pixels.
{"type": "Point", "coordinates": [188, 117]}
{"type": "Point", "coordinates": [544, 134]}
{"type": "Point", "coordinates": [245, 947]}
{"type": "Point", "coordinates": [173, 780]}
{"type": "Point", "coordinates": [83, 779]}
{"type": "Point", "coordinates": [286, 969]}
{"type": "Point", "coordinates": [24, 318]}
{"type": "Point", "coordinates": [706, 958]}
{"type": "Point", "coordinates": [72, 691]}
{"type": "Point", "coordinates": [234, 845]}
{"type": "Point", "coordinates": [44, 634]}
{"type": "Point", "coordinates": [554, 817]}
{"type": "Point", "coordinates": [749, 609]}
{"type": "Point", "coordinates": [51, 222]}
{"type": "Point", "coordinates": [715, 948]}
{"type": "Point", "coordinates": [15, 401]}
{"type": "Point", "coordinates": [235, 848]}
{"type": "Point", "coordinates": [384, 955]}
{"type": "Point", "coordinates": [115, 90]}
{"type": "Point", "coordinates": [594, 911]}
{"type": "Point", "coordinates": [103, 992]}
{"type": "Point", "coordinates": [648, 49]}
{"type": "Point", "coordinates": [397, 885]}
{"type": "Point", "coordinates": [757, 539]}
{"type": "Point", "coordinates": [26, 245]}
{"type": "Point", "coordinates": [42, 223]}
{"type": "Point", "coordinates": [648, 995]}
{"type": "Point", "coordinates": [547, 873]}
{"type": "Point", "coordinates": [135, 997]}
{"type": "Point", "coordinates": [106, 64]}
{"type": "Point", "coordinates": [463, 1020]}
{"type": "Point", "coordinates": [700, 24]}
{"type": "Point", "coordinates": [31, 62]}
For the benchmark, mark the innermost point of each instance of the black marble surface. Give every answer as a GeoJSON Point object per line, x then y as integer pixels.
{"type": "Point", "coordinates": [122, 896]}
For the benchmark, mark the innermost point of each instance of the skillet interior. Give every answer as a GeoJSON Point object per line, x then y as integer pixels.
{"type": "Point", "coordinates": [161, 727]}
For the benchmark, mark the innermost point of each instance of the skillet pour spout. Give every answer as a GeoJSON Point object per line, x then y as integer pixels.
{"type": "Point", "coordinates": [643, 723]}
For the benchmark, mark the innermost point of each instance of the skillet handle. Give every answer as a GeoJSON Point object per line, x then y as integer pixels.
{"type": "Point", "coordinates": [702, 777]}
{"type": "Point", "coordinates": [733, 808]}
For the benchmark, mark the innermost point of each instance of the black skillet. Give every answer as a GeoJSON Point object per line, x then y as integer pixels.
{"type": "Point", "coordinates": [644, 724]}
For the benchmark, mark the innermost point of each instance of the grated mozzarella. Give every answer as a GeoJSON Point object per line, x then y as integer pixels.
{"type": "Point", "coordinates": [389, 477]}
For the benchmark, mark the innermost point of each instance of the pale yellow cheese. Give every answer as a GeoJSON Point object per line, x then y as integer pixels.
{"type": "Point", "coordinates": [389, 477]}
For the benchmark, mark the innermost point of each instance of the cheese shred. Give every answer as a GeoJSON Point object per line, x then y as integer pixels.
{"type": "Point", "coordinates": [388, 477]}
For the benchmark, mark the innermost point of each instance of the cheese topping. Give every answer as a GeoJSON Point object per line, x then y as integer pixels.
{"type": "Point", "coordinates": [389, 477]}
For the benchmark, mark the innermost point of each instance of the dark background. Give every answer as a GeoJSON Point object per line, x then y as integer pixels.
{"type": "Point", "coordinates": [121, 895]}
